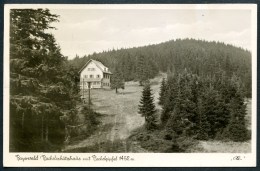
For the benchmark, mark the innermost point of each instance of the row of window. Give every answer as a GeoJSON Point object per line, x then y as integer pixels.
{"type": "Point", "coordinates": [92, 83]}
{"type": "Point", "coordinates": [97, 76]}
{"type": "Point", "coordinates": [93, 69]}
{"type": "Point", "coordinates": [106, 76]}
{"type": "Point", "coordinates": [106, 84]}
{"type": "Point", "coordinates": [95, 83]}
{"type": "Point", "coordinates": [91, 76]}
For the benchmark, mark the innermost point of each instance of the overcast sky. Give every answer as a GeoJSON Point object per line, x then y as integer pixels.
{"type": "Point", "coordinates": [86, 31]}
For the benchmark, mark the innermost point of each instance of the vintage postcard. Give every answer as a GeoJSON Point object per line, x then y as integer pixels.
{"type": "Point", "coordinates": [130, 85]}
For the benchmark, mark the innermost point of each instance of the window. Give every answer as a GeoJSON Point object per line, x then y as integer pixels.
{"type": "Point", "coordinates": [90, 76]}
{"type": "Point", "coordinates": [85, 76]}
{"type": "Point", "coordinates": [98, 76]}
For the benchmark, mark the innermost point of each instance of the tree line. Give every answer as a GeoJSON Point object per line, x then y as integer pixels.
{"type": "Point", "coordinates": [198, 107]}
{"type": "Point", "coordinates": [198, 56]}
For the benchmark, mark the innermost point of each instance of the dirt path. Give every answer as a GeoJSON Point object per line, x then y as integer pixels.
{"type": "Point", "coordinates": [119, 117]}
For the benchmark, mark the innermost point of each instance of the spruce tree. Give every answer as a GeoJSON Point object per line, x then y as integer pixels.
{"type": "Point", "coordinates": [147, 107]}
{"type": "Point", "coordinates": [117, 80]}
{"type": "Point", "coordinates": [170, 97]}
{"type": "Point", "coordinates": [162, 93]}
{"type": "Point", "coordinates": [42, 86]}
{"type": "Point", "coordinates": [175, 122]}
{"type": "Point", "coordinates": [203, 125]}
{"type": "Point", "coordinates": [236, 129]}
{"type": "Point", "coordinates": [142, 70]}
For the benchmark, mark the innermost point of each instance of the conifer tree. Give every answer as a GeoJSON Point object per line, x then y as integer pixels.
{"type": "Point", "coordinates": [162, 93]}
{"type": "Point", "coordinates": [147, 107]}
{"type": "Point", "coordinates": [236, 129]}
{"type": "Point", "coordinates": [203, 125]}
{"type": "Point", "coordinates": [42, 87]}
{"type": "Point", "coordinates": [170, 97]}
{"type": "Point", "coordinates": [174, 122]}
{"type": "Point", "coordinates": [210, 103]}
{"type": "Point", "coordinates": [117, 80]}
{"type": "Point", "coordinates": [142, 70]}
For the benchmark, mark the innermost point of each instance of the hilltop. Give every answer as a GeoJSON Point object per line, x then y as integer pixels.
{"type": "Point", "coordinates": [200, 57]}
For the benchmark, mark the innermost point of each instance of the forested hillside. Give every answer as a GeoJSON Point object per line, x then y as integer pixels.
{"type": "Point", "coordinates": [197, 56]}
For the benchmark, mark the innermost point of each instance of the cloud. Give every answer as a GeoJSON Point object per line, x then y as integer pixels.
{"type": "Point", "coordinates": [88, 24]}
{"type": "Point", "coordinates": [238, 38]}
{"type": "Point", "coordinates": [87, 31]}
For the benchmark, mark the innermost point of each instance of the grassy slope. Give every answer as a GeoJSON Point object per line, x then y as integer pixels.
{"type": "Point", "coordinates": [121, 128]}
{"type": "Point", "coordinates": [119, 117]}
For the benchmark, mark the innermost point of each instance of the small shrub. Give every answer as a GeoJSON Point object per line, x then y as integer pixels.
{"type": "Point", "coordinates": [90, 115]}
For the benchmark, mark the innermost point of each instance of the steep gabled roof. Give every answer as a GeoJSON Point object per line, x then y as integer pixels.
{"type": "Point", "coordinates": [99, 65]}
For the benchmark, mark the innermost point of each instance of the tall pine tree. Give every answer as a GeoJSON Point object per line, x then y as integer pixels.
{"type": "Point", "coordinates": [203, 125]}
{"type": "Point", "coordinates": [236, 129]}
{"type": "Point", "coordinates": [147, 107]}
{"type": "Point", "coordinates": [162, 93]}
{"type": "Point", "coordinates": [41, 90]}
{"type": "Point", "coordinates": [142, 70]}
{"type": "Point", "coordinates": [117, 80]}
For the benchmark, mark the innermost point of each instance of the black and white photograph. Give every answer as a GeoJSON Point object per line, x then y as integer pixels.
{"type": "Point", "coordinates": [130, 85]}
